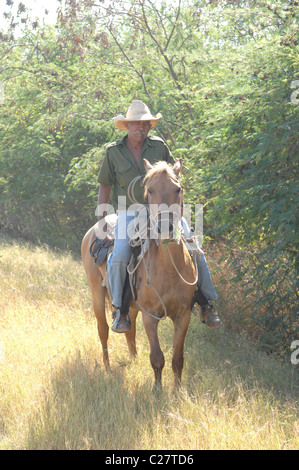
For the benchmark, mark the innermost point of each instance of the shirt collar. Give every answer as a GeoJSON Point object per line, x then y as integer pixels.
{"type": "Point", "coordinates": [123, 141]}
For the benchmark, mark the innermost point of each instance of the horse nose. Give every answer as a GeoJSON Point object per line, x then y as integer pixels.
{"type": "Point", "coordinates": [165, 228]}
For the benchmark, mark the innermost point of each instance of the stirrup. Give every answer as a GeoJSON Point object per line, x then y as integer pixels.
{"type": "Point", "coordinates": [121, 323]}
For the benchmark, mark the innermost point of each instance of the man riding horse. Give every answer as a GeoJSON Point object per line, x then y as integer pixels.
{"type": "Point", "coordinates": [124, 161]}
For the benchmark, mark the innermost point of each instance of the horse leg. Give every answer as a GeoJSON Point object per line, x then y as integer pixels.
{"type": "Point", "coordinates": [181, 324]}
{"type": "Point", "coordinates": [131, 334]}
{"type": "Point", "coordinates": [156, 354]}
{"type": "Point", "coordinates": [103, 328]}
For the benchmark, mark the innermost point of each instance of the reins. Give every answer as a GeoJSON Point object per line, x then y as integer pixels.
{"type": "Point", "coordinates": [184, 280]}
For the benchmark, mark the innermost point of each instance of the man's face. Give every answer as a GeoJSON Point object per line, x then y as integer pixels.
{"type": "Point", "coordinates": [138, 130]}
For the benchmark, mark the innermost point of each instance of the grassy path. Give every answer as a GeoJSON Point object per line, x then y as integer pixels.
{"type": "Point", "coordinates": [54, 393]}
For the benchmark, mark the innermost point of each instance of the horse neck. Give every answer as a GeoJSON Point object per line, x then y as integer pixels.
{"type": "Point", "coordinates": [177, 251]}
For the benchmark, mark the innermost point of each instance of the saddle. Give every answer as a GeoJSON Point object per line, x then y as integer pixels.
{"type": "Point", "coordinates": [99, 250]}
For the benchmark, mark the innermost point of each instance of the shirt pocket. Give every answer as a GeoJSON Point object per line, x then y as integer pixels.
{"type": "Point", "coordinates": [124, 174]}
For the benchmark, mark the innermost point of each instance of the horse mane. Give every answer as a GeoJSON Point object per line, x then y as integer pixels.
{"type": "Point", "coordinates": [159, 168]}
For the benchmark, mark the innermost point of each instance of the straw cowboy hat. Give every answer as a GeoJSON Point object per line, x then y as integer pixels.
{"type": "Point", "coordinates": [138, 111]}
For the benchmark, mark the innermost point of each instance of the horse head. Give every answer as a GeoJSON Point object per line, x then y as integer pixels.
{"type": "Point", "coordinates": [164, 193]}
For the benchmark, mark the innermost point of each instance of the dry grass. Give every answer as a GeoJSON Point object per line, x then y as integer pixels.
{"type": "Point", "coordinates": [56, 395]}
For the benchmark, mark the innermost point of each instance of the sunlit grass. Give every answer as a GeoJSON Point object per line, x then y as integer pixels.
{"type": "Point", "coordinates": [54, 393]}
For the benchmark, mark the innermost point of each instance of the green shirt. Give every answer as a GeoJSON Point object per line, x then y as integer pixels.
{"type": "Point", "coordinates": [120, 167]}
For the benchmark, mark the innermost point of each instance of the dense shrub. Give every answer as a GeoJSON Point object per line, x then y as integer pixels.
{"type": "Point", "coordinates": [222, 74]}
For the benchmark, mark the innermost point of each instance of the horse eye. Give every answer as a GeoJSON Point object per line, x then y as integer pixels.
{"type": "Point", "coordinates": [149, 191]}
{"type": "Point", "coordinates": [178, 190]}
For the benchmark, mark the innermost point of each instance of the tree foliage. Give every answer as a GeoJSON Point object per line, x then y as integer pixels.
{"type": "Point", "coordinates": [221, 72]}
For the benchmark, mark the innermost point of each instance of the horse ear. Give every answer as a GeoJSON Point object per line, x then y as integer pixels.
{"type": "Point", "coordinates": [147, 165]}
{"type": "Point", "coordinates": [177, 167]}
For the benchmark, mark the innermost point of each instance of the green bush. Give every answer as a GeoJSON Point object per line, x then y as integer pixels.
{"type": "Point", "coordinates": [221, 73]}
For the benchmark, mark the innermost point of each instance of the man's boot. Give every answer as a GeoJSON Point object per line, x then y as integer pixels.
{"type": "Point", "coordinates": [121, 318]}
{"type": "Point", "coordinates": [208, 313]}
{"type": "Point", "coordinates": [121, 322]}
{"type": "Point", "coordinates": [209, 316]}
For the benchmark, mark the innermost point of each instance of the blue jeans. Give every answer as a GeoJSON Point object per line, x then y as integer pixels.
{"type": "Point", "coordinates": [120, 257]}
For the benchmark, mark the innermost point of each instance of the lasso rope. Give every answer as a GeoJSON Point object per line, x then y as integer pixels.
{"type": "Point", "coordinates": [131, 189]}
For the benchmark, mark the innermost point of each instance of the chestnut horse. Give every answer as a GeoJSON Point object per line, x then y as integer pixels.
{"type": "Point", "coordinates": [165, 277]}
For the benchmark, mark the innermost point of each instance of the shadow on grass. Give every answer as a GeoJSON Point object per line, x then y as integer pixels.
{"type": "Point", "coordinates": [83, 407]}
{"type": "Point", "coordinates": [87, 408]}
